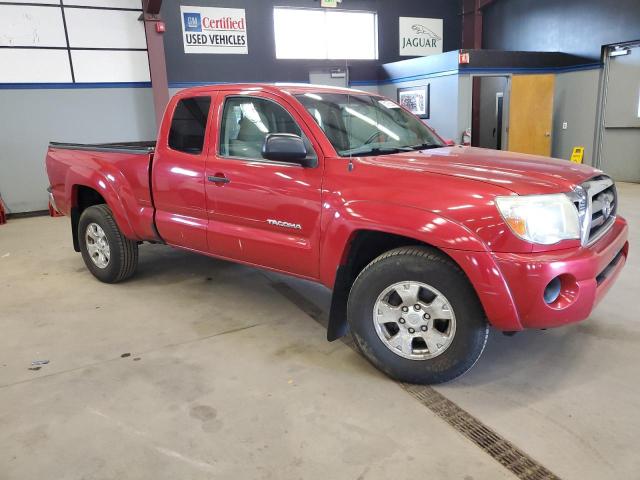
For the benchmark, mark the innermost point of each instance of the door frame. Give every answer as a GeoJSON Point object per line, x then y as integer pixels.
{"type": "Point", "coordinates": [216, 161]}
{"type": "Point", "coordinates": [500, 109]}
{"type": "Point", "coordinates": [598, 140]}
{"type": "Point", "coordinates": [505, 104]}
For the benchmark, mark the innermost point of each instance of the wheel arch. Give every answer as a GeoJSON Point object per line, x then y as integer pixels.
{"type": "Point", "coordinates": [85, 195]}
{"type": "Point", "coordinates": [363, 247]}
{"type": "Point", "coordinates": [361, 231]}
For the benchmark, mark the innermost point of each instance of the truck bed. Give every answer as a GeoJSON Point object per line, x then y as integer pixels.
{"type": "Point", "coordinates": [142, 148]}
{"type": "Point", "coordinates": [118, 173]}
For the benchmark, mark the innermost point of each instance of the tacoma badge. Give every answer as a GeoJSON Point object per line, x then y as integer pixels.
{"type": "Point", "coordinates": [280, 223]}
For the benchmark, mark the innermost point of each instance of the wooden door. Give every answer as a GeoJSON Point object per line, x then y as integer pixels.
{"type": "Point", "coordinates": [531, 114]}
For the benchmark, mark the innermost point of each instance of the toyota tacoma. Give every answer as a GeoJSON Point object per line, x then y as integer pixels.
{"type": "Point", "coordinates": [423, 244]}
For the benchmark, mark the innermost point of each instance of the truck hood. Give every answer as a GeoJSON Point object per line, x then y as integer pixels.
{"type": "Point", "coordinates": [520, 173]}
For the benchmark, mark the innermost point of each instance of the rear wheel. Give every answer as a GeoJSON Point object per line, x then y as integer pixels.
{"type": "Point", "coordinates": [415, 316]}
{"type": "Point", "coordinates": [107, 253]}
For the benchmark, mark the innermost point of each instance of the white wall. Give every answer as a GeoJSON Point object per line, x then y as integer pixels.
{"type": "Point", "coordinates": [42, 24]}
{"type": "Point", "coordinates": [465, 93]}
{"type": "Point", "coordinates": [369, 88]}
{"type": "Point", "coordinates": [32, 118]}
{"type": "Point", "coordinates": [443, 103]}
{"type": "Point", "coordinates": [575, 102]}
{"type": "Point", "coordinates": [33, 112]}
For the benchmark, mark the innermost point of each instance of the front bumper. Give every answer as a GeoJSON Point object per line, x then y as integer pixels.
{"type": "Point", "coordinates": [511, 285]}
{"type": "Point", "coordinates": [586, 275]}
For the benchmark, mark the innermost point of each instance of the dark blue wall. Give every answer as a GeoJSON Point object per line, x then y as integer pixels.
{"type": "Point", "coordinates": [579, 27]}
{"type": "Point", "coordinates": [261, 63]}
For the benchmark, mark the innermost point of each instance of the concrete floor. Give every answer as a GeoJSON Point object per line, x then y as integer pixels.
{"type": "Point", "coordinates": [228, 378]}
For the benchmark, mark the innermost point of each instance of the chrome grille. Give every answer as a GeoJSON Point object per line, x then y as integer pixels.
{"type": "Point", "coordinates": [597, 204]}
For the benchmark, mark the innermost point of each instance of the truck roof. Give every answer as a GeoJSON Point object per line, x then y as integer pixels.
{"type": "Point", "coordinates": [292, 88]}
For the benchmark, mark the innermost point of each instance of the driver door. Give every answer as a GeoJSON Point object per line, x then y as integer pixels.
{"type": "Point", "coordinates": [262, 212]}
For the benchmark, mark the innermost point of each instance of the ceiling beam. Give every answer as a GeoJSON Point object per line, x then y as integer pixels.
{"type": "Point", "coordinates": [472, 22]}
{"type": "Point", "coordinates": [154, 30]}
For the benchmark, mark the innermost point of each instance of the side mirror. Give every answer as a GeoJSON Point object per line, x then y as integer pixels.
{"type": "Point", "coordinates": [449, 142]}
{"type": "Point", "coordinates": [284, 147]}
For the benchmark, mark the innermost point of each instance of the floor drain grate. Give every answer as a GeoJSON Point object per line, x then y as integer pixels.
{"type": "Point", "coordinates": [504, 452]}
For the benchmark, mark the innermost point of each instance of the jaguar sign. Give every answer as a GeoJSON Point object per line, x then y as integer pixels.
{"type": "Point", "coordinates": [420, 36]}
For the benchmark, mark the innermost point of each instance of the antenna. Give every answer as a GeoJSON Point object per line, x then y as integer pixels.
{"type": "Point", "coordinates": [346, 70]}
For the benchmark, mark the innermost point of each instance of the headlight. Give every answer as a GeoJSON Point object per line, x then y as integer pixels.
{"type": "Point", "coordinates": [544, 219]}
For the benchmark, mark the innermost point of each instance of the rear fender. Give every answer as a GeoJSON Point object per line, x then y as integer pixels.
{"type": "Point", "coordinates": [112, 187]}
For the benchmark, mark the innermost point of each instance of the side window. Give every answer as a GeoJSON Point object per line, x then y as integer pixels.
{"type": "Point", "coordinates": [247, 121]}
{"type": "Point", "coordinates": [188, 124]}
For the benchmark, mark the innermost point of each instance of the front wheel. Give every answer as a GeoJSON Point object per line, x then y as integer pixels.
{"type": "Point", "coordinates": [107, 253]}
{"type": "Point", "coordinates": [415, 316]}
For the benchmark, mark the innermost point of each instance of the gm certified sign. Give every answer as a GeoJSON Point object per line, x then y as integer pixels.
{"type": "Point", "coordinates": [214, 30]}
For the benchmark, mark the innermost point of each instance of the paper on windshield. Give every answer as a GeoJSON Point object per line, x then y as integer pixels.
{"type": "Point", "coordinates": [388, 104]}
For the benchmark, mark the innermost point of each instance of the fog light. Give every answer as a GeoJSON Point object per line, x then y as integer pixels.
{"type": "Point", "coordinates": [552, 291]}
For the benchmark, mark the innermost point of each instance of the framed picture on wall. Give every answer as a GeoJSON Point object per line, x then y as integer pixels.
{"type": "Point", "coordinates": [415, 99]}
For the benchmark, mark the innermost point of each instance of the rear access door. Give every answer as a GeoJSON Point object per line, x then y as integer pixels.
{"type": "Point", "coordinates": [178, 173]}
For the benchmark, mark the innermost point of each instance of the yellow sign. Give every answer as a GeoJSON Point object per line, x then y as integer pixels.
{"type": "Point", "coordinates": [577, 155]}
{"type": "Point", "coordinates": [329, 3]}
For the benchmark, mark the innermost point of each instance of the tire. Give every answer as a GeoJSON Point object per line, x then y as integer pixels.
{"type": "Point", "coordinates": [449, 326]}
{"type": "Point", "coordinates": [120, 255]}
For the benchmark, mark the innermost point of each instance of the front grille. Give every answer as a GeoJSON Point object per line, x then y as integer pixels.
{"type": "Point", "coordinates": [597, 204]}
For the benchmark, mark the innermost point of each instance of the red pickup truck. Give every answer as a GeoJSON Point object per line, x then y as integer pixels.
{"type": "Point", "coordinates": [424, 244]}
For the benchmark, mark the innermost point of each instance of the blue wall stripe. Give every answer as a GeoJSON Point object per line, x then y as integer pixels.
{"type": "Point", "coordinates": [411, 78]}
{"type": "Point", "coordinates": [571, 68]}
{"type": "Point", "coordinates": [364, 83]}
{"type": "Point", "coordinates": [71, 86]}
{"type": "Point", "coordinates": [472, 70]}
{"type": "Point", "coordinates": [355, 83]}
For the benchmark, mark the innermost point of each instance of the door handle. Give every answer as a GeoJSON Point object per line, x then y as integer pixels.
{"type": "Point", "coordinates": [218, 178]}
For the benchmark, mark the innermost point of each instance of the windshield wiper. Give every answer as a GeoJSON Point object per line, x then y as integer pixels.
{"type": "Point", "coordinates": [424, 146]}
{"type": "Point", "coordinates": [375, 151]}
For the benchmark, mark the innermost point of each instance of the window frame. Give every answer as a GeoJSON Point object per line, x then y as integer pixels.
{"type": "Point", "coordinates": [223, 105]}
{"type": "Point", "coordinates": [376, 34]}
{"type": "Point", "coordinates": [205, 138]}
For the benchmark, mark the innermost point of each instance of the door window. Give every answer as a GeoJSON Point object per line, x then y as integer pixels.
{"type": "Point", "coordinates": [189, 124]}
{"type": "Point", "coordinates": [246, 122]}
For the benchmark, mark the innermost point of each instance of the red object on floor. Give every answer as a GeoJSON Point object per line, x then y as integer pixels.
{"type": "Point", "coordinates": [53, 212]}
{"type": "Point", "coordinates": [3, 213]}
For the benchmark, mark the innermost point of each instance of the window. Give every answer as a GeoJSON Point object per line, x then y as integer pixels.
{"type": "Point", "coordinates": [189, 124]}
{"type": "Point", "coordinates": [247, 121]}
{"type": "Point", "coordinates": [312, 33]}
{"type": "Point", "coordinates": [366, 125]}
{"type": "Point", "coordinates": [74, 43]}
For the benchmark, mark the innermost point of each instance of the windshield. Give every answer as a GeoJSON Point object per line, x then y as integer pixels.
{"type": "Point", "coordinates": [362, 124]}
